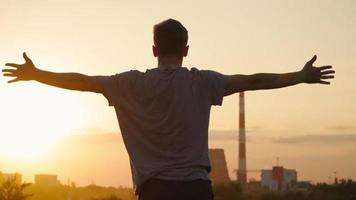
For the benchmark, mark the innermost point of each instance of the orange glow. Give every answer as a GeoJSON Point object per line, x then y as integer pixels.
{"type": "Point", "coordinates": [231, 37]}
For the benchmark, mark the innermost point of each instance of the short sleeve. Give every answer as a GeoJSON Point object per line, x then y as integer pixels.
{"type": "Point", "coordinates": [214, 83]}
{"type": "Point", "coordinates": [115, 86]}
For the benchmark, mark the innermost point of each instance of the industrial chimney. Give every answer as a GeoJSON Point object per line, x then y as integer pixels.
{"type": "Point", "coordinates": [241, 174]}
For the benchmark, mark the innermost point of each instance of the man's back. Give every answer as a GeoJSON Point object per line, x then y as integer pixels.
{"type": "Point", "coordinates": [164, 118]}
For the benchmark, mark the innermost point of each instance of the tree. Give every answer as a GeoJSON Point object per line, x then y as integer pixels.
{"type": "Point", "coordinates": [111, 197]}
{"type": "Point", "coordinates": [11, 190]}
{"type": "Point", "coordinates": [227, 191]}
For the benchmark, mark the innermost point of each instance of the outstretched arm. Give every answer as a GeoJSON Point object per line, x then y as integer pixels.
{"type": "Point", "coordinates": [71, 81]}
{"type": "Point", "coordinates": [260, 81]}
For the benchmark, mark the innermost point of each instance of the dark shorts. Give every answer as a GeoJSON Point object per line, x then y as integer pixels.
{"type": "Point", "coordinates": [158, 189]}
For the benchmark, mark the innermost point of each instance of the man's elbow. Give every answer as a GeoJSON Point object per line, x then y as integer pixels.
{"type": "Point", "coordinates": [235, 84]}
{"type": "Point", "coordinates": [90, 84]}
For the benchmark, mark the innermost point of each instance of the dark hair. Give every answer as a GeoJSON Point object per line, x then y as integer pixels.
{"type": "Point", "coordinates": [170, 37]}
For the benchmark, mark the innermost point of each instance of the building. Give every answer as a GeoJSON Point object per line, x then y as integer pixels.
{"type": "Point", "coordinates": [5, 177]}
{"type": "Point", "coordinates": [46, 180]}
{"type": "Point", "coordinates": [302, 186]}
{"type": "Point", "coordinates": [219, 172]}
{"type": "Point", "coordinates": [279, 178]}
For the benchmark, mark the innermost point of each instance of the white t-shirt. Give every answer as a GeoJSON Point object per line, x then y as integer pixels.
{"type": "Point", "coordinates": [163, 115]}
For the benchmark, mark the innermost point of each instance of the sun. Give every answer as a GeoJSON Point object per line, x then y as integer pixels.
{"type": "Point", "coordinates": [31, 122]}
{"type": "Point", "coordinates": [28, 143]}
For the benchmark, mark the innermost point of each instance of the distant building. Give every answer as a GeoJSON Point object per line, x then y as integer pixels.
{"type": "Point", "coordinates": [279, 178]}
{"type": "Point", "coordinates": [46, 180]}
{"type": "Point", "coordinates": [5, 177]}
{"type": "Point", "coordinates": [219, 172]}
{"type": "Point", "coordinates": [302, 186]}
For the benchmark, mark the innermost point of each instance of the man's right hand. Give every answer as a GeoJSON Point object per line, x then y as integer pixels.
{"type": "Point", "coordinates": [21, 72]}
{"type": "Point", "coordinates": [71, 81]}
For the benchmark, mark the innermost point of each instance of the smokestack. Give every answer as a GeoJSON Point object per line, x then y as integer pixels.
{"type": "Point", "coordinates": [241, 175]}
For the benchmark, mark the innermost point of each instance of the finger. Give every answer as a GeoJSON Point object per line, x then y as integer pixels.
{"type": "Point", "coordinates": [13, 65]}
{"type": "Point", "coordinates": [9, 74]}
{"type": "Point", "coordinates": [9, 70]}
{"type": "Point", "coordinates": [13, 80]}
{"type": "Point", "coordinates": [324, 82]}
{"type": "Point", "coordinates": [325, 67]}
{"type": "Point", "coordinates": [26, 57]}
{"type": "Point", "coordinates": [311, 61]}
{"type": "Point", "coordinates": [326, 77]}
{"type": "Point", "coordinates": [328, 72]}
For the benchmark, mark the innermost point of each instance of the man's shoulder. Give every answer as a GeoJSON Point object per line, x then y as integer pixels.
{"type": "Point", "coordinates": [156, 70]}
{"type": "Point", "coordinates": [130, 73]}
{"type": "Point", "coordinates": [202, 70]}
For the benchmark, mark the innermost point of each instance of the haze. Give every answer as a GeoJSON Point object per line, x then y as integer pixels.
{"type": "Point", "coordinates": [310, 127]}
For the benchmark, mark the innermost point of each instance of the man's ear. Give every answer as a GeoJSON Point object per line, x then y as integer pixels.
{"type": "Point", "coordinates": [185, 51]}
{"type": "Point", "coordinates": [155, 51]}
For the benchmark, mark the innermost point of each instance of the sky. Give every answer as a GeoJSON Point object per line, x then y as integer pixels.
{"type": "Point", "coordinates": [306, 126]}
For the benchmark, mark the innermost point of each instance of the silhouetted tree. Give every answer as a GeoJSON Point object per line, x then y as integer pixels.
{"type": "Point", "coordinates": [227, 191]}
{"type": "Point", "coordinates": [11, 190]}
{"type": "Point", "coordinates": [346, 190]}
{"type": "Point", "coordinates": [111, 197]}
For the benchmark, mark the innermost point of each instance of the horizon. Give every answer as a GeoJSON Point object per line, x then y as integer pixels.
{"type": "Point", "coordinates": [307, 126]}
{"type": "Point", "coordinates": [109, 147]}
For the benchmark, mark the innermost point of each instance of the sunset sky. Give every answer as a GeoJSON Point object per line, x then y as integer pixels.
{"type": "Point", "coordinates": [312, 128]}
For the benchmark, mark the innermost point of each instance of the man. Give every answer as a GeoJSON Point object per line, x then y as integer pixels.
{"type": "Point", "coordinates": [163, 113]}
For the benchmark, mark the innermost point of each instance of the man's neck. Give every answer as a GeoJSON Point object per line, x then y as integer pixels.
{"type": "Point", "coordinates": [170, 61]}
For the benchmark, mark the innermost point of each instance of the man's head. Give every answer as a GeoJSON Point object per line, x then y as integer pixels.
{"type": "Point", "coordinates": [170, 39]}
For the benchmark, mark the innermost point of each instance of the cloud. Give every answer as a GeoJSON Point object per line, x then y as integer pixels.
{"type": "Point", "coordinates": [81, 131]}
{"type": "Point", "coordinates": [252, 134]}
{"type": "Point", "coordinates": [94, 138]}
{"type": "Point", "coordinates": [101, 136]}
{"type": "Point", "coordinates": [223, 135]}
{"type": "Point", "coordinates": [341, 127]}
{"type": "Point", "coordinates": [327, 138]}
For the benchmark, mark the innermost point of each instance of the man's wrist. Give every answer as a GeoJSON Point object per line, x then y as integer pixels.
{"type": "Point", "coordinates": [36, 73]}
{"type": "Point", "coordinates": [301, 77]}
